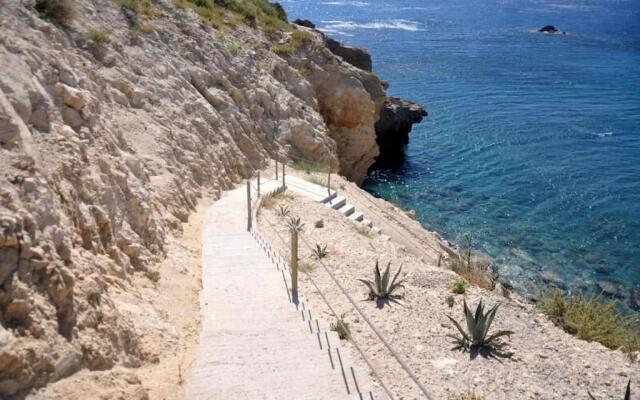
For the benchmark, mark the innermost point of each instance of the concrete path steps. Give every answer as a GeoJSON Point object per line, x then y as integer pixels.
{"type": "Point", "coordinates": [255, 343]}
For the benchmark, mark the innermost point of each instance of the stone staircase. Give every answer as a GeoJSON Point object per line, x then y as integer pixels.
{"type": "Point", "coordinates": [320, 194]}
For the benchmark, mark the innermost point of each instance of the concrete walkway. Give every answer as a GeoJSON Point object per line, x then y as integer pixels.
{"type": "Point", "coordinates": [254, 342]}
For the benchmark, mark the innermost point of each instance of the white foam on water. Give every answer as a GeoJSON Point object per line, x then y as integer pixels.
{"type": "Point", "coordinates": [602, 134]}
{"type": "Point", "coordinates": [346, 3]}
{"type": "Point", "coordinates": [398, 24]}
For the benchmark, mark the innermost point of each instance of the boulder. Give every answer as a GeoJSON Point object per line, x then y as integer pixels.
{"type": "Point", "coordinates": [305, 23]}
{"type": "Point", "coordinates": [392, 129]}
{"type": "Point", "coordinates": [356, 56]}
{"type": "Point", "coordinates": [548, 29]}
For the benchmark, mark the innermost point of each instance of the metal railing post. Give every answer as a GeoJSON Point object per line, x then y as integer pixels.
{"type": "Point", "coordinates": [329, 182]}
{"type": "Point", "coordinates": [283, 174]}
{"type": "Point", "coordinates": [258, 190]}
{"type": "Point", "coordinates": [248, 205]}
{"type": "Point", "coordinates": [294, 263]}
{"type": "Point", "coordinates": [276, 169]}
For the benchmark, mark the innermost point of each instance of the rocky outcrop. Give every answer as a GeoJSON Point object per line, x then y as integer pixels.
{"type": "Point", "coordinates": [305, 22]}
{"type": "Point", "coordinates": [355, 56]}
{"type": "Point", "coordinates": [392, 129]}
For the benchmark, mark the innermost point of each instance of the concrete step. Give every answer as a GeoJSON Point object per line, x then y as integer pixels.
{"type": "Point", "coordinates": [329, 197]}
{"type": "Point", "coordinates": [376, 230]}
{"type": "Point", "coordinates": [367, 223]}
{"type": "Point", "coordinates": [337, 202]}
{"type": "Point", "coordinates": [347, 209]}
{"type": "Point", "coordinates": [356, 216]}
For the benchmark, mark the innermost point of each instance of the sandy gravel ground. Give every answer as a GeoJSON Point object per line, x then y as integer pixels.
{"type": "Point", "coordinates": [546, 363]}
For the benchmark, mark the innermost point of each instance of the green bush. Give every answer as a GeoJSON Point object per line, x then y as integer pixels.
{"type": "Point", "coordinates": [320, 251]}
{"type": "Point", "coordinates": [341, 327]}
{"type": "Point", "coordinates": [592, 319]}
{"type": "Point", "coordinates": [319, 224]}
{"type": "Point", "coordinates": [98, 36]}
{"type": "Point", "coordinates": [283, 49]}
{"type": "Point", "coordinates": [57, 11]}
{"type": "Point", "coordinates": [450, 301]}
{"type": "Point", "coordinates": [143, 8]}
{"type": "Point", "coordinates": [298, 38]}
{"type": "Point", "coordinates": [459, 286]}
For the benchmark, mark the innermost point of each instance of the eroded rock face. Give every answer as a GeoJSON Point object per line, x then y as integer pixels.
{"type": "Point", "coordinates": [393, 128]}
{"type": "Point", "coordinates": [356, 56]}
{"type": "Point", "coordinates": [105, 150]}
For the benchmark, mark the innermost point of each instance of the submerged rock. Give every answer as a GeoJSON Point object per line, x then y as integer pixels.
{"type": "Point", "coordinates": [548, 29]}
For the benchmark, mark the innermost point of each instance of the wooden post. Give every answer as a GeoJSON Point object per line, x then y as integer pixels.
{"type": "Point", "coordinates": [329, 182]}
{"type": "Point", "coordinates": [294, 263]}
{"type": "Point", "coordinates": [248, 205]}
{"type": "Point", "coordinates": [439, 259]}
{"type": "Point", "coordinates": [258, 183]}
{"type": "Point", "coordinates": [276, 169]}
{"type": "Point", "coordinates": [283, 174]}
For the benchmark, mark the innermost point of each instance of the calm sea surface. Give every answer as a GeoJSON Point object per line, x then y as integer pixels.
{"type": "Point", "coordinates": [532, 143]}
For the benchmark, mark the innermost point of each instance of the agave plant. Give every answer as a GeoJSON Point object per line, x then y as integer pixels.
{"type": "Point", "coordinates": [380, 288]}
{"type": "Point", "coordinates": [478, 325]}
{"type": "Point", "coordinates": [283, 211]}
{"type": "Point", "coordinates": [320, 251]}
{"type": "Point", "coordinates": [295, 224]}
{"type": "Point", "coordinates": [627, 394]}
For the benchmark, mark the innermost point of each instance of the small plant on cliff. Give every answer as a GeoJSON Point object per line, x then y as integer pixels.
{"type": "Point", "coordinates": [469, 395]}
{"type": "Point", "coordinates": [299, 38]}
{"type": "Point", "coordinates": [476, 270]}
{"type": "Point", "coordinates": [319, 224]}
{"type": "Point", "coordinates": [153, 276]}
{"type": "Point", "coordinates": [283, 50]}
{"type": "Point", "coordinates": [234, 48]}
{"type": "Point", "coordinates": [478, 325]}
{"type": "Point", "coordinates": [341, 327]}
{"type": "Point", "coordinates": [57, 11]}
{"type": "Point", "coordinates": [627, 393]}
{"type": "Point", "coordinates": [143, 8]}
{"type": "Point", "coordinates": [270, 199]}
{"type": "Point", "coordinates": [98, 36]}
{"type": "Point", "coordinates": [381, 288]}
{"type": "Point", "coordinates": [320, 251]}
{"type": "Point", "coordinates": [450, 301]}
{"type": "Point", "coordinates": [459, 286]}
{"type": "Point", "coordinates": [364, 230]}
{"type": "Point", "coordinates": [309, 167]}
{"type": "Point", "coordinates": [592, 319]}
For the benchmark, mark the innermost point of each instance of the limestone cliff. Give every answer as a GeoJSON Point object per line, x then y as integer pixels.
{"type": "Point", "coordinates": [113, 123]}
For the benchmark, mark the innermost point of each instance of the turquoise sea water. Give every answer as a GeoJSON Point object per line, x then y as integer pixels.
{"type": "Point", "coordinates": [532, 142]}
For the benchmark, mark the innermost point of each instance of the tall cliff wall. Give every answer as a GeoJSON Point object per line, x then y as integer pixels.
{"type": "Point", "coordinates": [112, 125]}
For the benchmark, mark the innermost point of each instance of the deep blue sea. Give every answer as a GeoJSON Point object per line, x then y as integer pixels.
{"type": "Point", "coordinates": [532, 143]}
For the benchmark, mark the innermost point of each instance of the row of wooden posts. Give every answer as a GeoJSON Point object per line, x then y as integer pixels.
{"type": "Point", "coordinates": [294, 233]}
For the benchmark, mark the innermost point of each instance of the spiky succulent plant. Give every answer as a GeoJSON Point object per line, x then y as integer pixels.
{"type": "Point", "coordinates": [295, 224]}
{"type": "Point", "coordinates": [283, 211]}
{"type": "Point", "coordinates": [320, 251]}
{"type": "Point", "coordinates": [478, 325]}
{"type": "Point", "coordinates": [380, 288]}
{"type": "Point", "coordinates": [627, 394]}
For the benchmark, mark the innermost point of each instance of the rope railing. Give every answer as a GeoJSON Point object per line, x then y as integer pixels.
{"type": "Point", "coordinates": [341, 288]}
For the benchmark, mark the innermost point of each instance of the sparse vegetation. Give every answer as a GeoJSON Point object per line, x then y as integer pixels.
{"type": "Point", "coordinates": [478, 325]}
{"type": "Point", "coordinates": [450, 301]}
{"type": "Point", "coordinates": [143, 8]}
{"type": "Point", "coordinates": [380, 288]}
{"type": "Point", "coordinates": [319, 224]}
{"type": "Point", "coordinates": [364, 230]}
{"type": "Point", "coordinates": [341, 327]}
{"type": "Point", "coordinates": [299, 38]}
{"type": "Point", "coordinates": [320, 251]}
{"type": "Point", "coordinates": [627, 393]}
{"type": "Point", "coordinates": [459, 286]}
{"type": "Point", "coordinates": [283, 49]}
{"type": "Point", "coordinates": [319, 180]}
{"type": "Point", "coordinates": [306, 265]}
{"type": "Point", "coordinates": [270, 199]}
{"type": "Point", "coordinates": [475, 269]}
{"type": "Point", "coordinates": [304, 71]}
{"type": "Point", "coordinates": [234, 48]}
{"type": "Point", "coordinates": [153, 276]}
{"type": "Point", "coordinates": [593, 319]}
{"type": "Point", "coordinates": [57, 11]}
{"type": "Point", "coordinates": [98, 36]}
{"type": "Point", "coordinates": [469, 395]}
{"type": "Point", "coordinates": [251, 12]}
{"type": "Point", "coordinates": [147, 28]}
